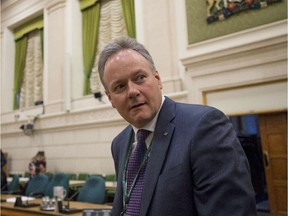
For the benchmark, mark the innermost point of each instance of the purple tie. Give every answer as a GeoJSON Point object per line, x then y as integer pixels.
{"type": "Point", "coordinates": [134, 164]}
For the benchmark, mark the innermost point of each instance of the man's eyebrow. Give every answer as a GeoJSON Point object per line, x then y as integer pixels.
{"type": "Point", "coordinates": [116, 82]}
{"type": "Point", "coordinates": [139, 71]}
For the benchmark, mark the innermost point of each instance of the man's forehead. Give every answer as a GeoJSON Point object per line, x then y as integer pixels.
{"type": "Point", "coordinates": [122, 54]}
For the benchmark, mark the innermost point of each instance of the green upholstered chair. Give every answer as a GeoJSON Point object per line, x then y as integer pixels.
{"type": "Point", "coordinates": [26, 174]}
{"type": "Point", "coordinates": [13, 186]}
{"type": "Point", "coordinates": [96, 174]}
{"type": "Point", "coordinates": [83, 176]}
{"type": "Point", "coordinates": [110, 177]}
{"type": "Point", "coordinates": [58, 179]}
{"type": "Point", "coordinates": [72, 176]}
{"type": "Point", "coordinates": [93, 190]}
{"type": "Point", "coordinates": [36, 185]}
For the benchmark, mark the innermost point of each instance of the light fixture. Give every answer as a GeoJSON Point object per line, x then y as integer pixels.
{"type": "Point", "coordinates": [27, 129]}
{"type": "Point", "coordinates": [98, 95]}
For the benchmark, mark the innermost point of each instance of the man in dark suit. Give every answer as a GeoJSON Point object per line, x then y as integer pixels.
{"type": "Point", "coordinates": [194, 164]}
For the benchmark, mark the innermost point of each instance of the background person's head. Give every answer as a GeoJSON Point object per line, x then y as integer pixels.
{"type": "Point", "coordinates": [33, 168]}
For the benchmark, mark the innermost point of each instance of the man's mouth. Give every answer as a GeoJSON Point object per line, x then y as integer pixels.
{"type": "Point", "coordinates": [136, 105]}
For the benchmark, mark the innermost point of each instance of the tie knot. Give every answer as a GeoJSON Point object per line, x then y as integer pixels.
{"type": "Point", "coordinates": [142, 135]}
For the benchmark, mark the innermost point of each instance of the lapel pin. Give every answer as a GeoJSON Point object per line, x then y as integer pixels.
{"type": "Point", "coordinates": [165, 133]}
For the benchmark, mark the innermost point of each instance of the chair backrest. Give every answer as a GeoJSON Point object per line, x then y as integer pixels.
{"type": "Point", "coordinates": [36, 185]}
{"type": "Point", "coordinates": [14, 185]}
{"type": "Point", "coordinates": [58, 179]}
{"type": "Point", "coordinates": [93, 190]}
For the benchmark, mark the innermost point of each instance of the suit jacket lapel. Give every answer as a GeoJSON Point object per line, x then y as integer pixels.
{"type": "Point", "coordinates": [160, 143]}
{"type": "Point", "coordinates": [122, 146]}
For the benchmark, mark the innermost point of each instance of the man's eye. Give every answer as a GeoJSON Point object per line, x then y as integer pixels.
{"type": "Point", "coordinates": [119, 88]}
{"type": "Point", "coordinates": [141, 77]}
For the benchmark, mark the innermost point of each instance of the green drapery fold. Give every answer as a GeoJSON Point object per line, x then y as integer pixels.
{"type": "Point", "coordinates": [20, 58]}
{"type": "Point", "coordinates": [129, 16]}
{"type": "Point", "coordinates": [90, 23]}
{"type": "Point", "coordinates": [41, 33]}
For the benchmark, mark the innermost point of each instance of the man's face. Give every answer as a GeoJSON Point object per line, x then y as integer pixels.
{"type": "Point", "coordinates": [132, 88]}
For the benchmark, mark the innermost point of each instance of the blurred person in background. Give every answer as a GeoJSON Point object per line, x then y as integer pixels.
{"type": "Point", "coordinates": [4, 183]}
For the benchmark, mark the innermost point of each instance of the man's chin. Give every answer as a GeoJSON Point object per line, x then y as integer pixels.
{"type": "Point", "coordinates": [140, 121]}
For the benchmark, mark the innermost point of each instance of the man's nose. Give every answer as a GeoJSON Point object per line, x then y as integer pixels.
{"type": "Point", "coordinates": [133, 90]}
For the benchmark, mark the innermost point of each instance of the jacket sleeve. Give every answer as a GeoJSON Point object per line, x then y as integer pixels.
{"type": "Point", "coordinates": [221, 174]}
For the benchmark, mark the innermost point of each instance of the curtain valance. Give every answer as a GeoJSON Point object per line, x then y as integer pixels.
{"type": "Point", "coordinates": [87, 3]}
{"type": "Point", "coordinates": [28, 27]}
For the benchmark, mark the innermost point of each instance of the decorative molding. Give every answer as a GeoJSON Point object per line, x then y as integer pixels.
{"type": "Point", "coordinates": [20, 12]}
{"type": "Point", "coordinates": [247, 56]}
{"type": "Point", "coordinates": [6, 4]}
{"type": "Point", "coordinates": [271, 52]}
{"type": "Point", "coordinates": [65, 121]}
{"type": "Point", "coordinates": [235, 43]}
{"type": "Point", "coordinates": [55, 5]}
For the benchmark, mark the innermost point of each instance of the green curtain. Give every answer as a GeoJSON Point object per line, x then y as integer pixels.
{"type": "Point", "coordinates": [21, 38]}
{"type": "Point", "coordinates": [41, 33]}
{"type": "Point", "coordinates": [129, 16]}
{"type": "Point", "coordinates": [20, 58]}
{"type": "Point", "coordinates": [90, 23]}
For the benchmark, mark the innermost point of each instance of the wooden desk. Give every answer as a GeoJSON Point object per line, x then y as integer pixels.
{"type": "Point", "coordinates": [72, 183]}
{"type": "Point", "coordinates": [76, 183]}
{"type": "Point", "coordinates": [8, 209]}
{"type": "Point", "coordinates": [21, 179]}
{"type": "Point", "coordinates": [110, 185]}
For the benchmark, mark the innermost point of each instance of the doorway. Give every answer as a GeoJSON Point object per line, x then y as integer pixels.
{"type": "Point", "coordinates": [264, 140]}
{"type": "Point", "coordinates": [247, 129]}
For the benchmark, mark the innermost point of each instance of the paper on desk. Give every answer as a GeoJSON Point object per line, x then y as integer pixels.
{"type": "Point", "coordinates": [24, 198]}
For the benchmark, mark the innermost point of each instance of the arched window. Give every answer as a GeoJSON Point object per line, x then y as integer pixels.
{"type": "Point", "coordinates": [28, 74]}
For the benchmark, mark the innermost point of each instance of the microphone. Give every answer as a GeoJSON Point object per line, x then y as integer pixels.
{"type": "Point", "coordinates": [71, 197]}
{"type": "Point", "coordinates": [19, 203]}
{"type": "Point", "coordinates": [66, 209]}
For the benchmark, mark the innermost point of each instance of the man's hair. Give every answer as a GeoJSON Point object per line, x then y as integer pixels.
{"type": "Point", "coordinates": [120, 44]}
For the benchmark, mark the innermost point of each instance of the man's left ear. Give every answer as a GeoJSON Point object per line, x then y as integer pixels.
{"type": "Point", "coordinates": [157, 76]}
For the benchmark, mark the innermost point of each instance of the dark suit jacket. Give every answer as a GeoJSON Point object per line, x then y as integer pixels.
{"type": "Point", "coordinates": [196, 165]}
